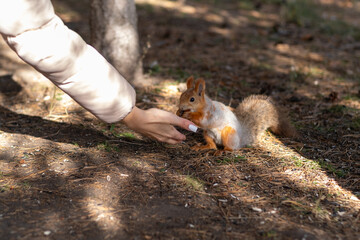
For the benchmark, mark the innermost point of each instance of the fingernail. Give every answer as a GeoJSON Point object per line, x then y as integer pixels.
{"type": "Point", "coordinates": [193, 128]}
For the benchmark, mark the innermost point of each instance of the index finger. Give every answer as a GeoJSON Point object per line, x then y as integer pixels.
{"type": "Point", "coordinates": [183, 123]}
{"type": "Point", "coordinates": [175, 120]}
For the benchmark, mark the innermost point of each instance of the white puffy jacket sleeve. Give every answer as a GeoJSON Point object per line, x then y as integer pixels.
{"type": "Point", "coordinates": [41, 39]}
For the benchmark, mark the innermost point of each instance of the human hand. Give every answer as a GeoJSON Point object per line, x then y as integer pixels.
{"type": "Point", "coordinates": [158, 124]}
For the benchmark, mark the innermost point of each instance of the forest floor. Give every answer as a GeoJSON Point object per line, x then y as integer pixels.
{"type": "Point", "coordinates": [66, 175]}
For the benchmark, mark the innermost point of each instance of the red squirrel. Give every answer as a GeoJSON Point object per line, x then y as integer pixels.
{"type": "Point", "coordinates": [231, 129]}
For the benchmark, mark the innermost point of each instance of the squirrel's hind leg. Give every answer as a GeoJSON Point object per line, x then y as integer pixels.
{"type": "Point", "coordinates": [230, 139]}
{"type": "Point", "coordinates": [210, 144]}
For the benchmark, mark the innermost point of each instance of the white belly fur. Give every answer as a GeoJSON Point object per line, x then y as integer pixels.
{"type": "Point", "coordinates": [221, 117]}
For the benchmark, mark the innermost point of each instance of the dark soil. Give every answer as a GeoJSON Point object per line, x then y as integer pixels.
{"type": "Point", "coordinates": [66, 175]}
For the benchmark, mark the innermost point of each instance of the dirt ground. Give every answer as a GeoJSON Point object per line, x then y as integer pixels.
{"type": "Point", "coordinates": [66, 175]}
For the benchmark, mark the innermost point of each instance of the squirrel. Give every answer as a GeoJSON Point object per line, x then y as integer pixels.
{"type": "Point", "coordinates": [231, 129]}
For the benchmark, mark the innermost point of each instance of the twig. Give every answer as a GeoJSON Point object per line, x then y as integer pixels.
{"type": "Point", "coordinates": [352, 135]}
{"type": "Point", "coordinates": [122, 141]}
{"type": "Point", "coordinates": [51, 135]}
{"type": "Point", "coordinates": [223, 212]}
{"type": "Point", "coordinates": [97, 166]}
{"type": "Point", "coordinates": [159, 182]}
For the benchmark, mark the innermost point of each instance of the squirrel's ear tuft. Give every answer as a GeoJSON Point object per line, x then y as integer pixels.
{"type": "Point", "coordinates": [190, 82]}
{"type": "Point", "coordinates": [200, 86]}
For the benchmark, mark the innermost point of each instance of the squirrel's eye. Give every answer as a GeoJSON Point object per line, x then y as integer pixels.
{"type": "Point", "coordinates": [192, 99]}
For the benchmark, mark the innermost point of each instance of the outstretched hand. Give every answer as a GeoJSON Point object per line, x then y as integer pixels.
{"type": "Point", "coordinates": [158, 124]}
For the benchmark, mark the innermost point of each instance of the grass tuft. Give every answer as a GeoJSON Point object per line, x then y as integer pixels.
{"type": "Point", "coordinates": [194, 183]}
{"type": "Point", "coordinates": [330, 168]}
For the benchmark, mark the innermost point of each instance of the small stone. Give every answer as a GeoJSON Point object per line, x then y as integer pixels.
{"type": "Point", "coordinates": [256, 209]}
{"type": "Point", "coordinates": [341, 214]}
{"type": "Point", "coordinates": [153, 64]}
{"type": "Point", "coordinates": [47, 233]}
{"type": "Point", "coordinates": [354, 198]}
{"type": "Point", "coordinates": [233, 196]}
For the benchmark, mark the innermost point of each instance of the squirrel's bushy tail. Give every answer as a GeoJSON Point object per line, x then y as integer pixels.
{"type": "Point", "coordinates": [258, 113]}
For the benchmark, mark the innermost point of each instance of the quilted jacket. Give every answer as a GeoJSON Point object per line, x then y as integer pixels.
{"type": "Point", "coordinates": [40, 38]}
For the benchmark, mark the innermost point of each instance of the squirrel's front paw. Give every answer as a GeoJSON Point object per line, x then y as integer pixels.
{"type": "Point", "coordinates": [197, 148]}
{"type": "Point", "coordinates": [202, 147]}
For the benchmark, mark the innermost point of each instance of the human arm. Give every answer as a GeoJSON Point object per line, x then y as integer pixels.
{"type": "Point", "coordinates": [41, 39]}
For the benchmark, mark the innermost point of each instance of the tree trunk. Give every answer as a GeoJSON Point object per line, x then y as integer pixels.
{"type": "Point", "coordinates": [113, 25]}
